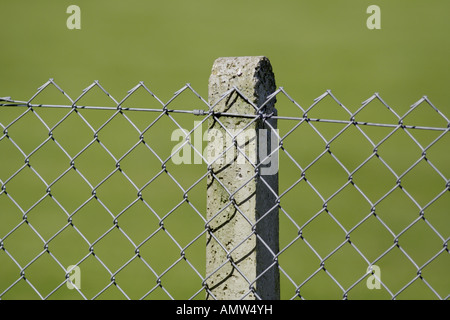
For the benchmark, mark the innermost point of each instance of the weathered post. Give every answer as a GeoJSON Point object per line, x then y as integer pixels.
{"type": "Point", "coordinates": [242, 208]}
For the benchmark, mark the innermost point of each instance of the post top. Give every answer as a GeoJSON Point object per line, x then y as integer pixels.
{"type": "Point", "coordinates": [252, 75]}
{"type": "Point", "coordinates": [239, 65]}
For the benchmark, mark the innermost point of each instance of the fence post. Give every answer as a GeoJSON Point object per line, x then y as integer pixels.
{"type": "Point", "coordinates": [242, 208]}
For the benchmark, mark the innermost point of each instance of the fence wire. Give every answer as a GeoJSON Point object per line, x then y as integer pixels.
{"type": "Point", "coordinates": [98, 190]}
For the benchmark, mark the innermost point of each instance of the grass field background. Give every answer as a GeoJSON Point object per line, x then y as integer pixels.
{"type": "Point", "coordinates": [313, 46]}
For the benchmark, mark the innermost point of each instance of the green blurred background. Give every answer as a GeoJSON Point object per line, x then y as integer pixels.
{"type": "Point", "coordinates": [312, 45]}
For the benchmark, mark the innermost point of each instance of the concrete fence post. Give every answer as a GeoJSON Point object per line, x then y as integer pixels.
{"type": "Point", "coordinates": [242, 209]}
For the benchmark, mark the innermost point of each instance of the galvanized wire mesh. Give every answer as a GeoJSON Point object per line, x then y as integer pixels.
{"type": "Point", "coordinates": [98, 188]}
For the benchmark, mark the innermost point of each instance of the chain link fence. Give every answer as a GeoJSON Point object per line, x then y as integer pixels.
{"type": "Point", "coordinates": [108, 200]}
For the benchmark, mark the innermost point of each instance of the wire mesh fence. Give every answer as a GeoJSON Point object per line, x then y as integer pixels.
{"type": "Point", "coordinates": [108, 200]}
